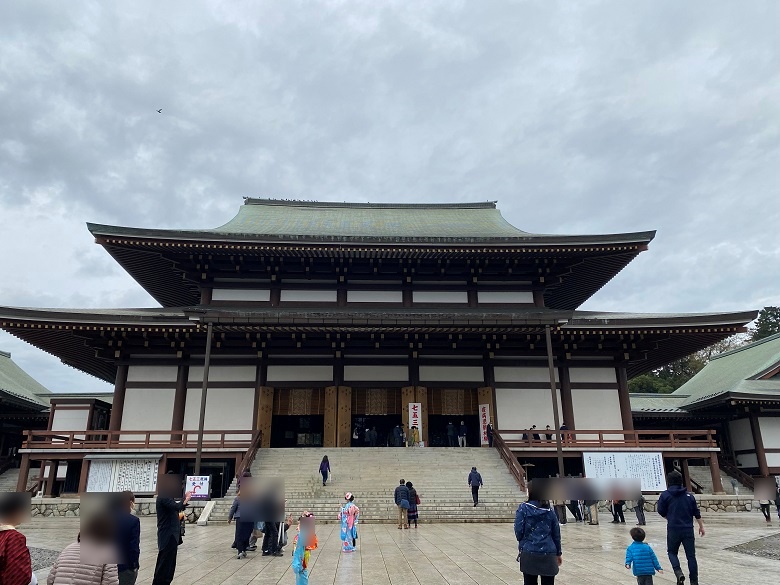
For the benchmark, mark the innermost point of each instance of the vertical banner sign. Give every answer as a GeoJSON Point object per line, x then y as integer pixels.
{"type": "Point", "coordinates": [415, 408]}
{"type": "Point", "coordinates": [484, 419]}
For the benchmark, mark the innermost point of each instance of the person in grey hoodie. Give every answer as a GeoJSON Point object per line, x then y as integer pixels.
{"type": "Point", "coordinates": [475, 481]}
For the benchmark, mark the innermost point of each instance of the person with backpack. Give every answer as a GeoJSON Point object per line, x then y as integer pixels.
{"type": "Point", "coordinates": [15, 562]}
{"type": "Point", "coordinates": [475, 482]}
{"type": "Point", "coordinates": [679, 508]}
{"type": "Point", "coordinates": [538, 534]}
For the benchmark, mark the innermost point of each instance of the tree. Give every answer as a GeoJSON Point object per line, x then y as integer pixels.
{"type": "Point", "coordinates": [767, 323]}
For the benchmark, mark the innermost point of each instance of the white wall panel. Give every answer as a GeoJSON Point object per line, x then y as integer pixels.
{"type": "Point", "coordinates": [148, 409]}
{"type": "Point", "coordinates": [452, 374]}
{"type": "Point", "coordinates": [523, 297]}
{"type": "Point", "coordinates": [305, 296]}
{"type": "Point", "coordinates": [593, 375]}
{"type": "Point", "coordinates": [518, 409]}
{"type": "Point", "coordinates": [520, 374]}
{"type": "Point", "coordinates": [224, 373]}
{"type": "Point", "coordinates": [241, 294]}
{"type": "Point", "coordinates": [226, 409]}
{"type": "Point", "coordinates": [773, 459]}
{"type": "Point", "coordinates": [770, 431]}
{"type": "Point", "coordinates": [152, 373]}
{"type": "Point", "coordinates": [747, 460]}
{"type": "Point", "coordinates": [440, 296]}
{"type": "Point", "coordinates": [375, 296]}
{"type": "Point", "coordinates": [300, 374]}
{"type": "Point", "coordinates": [376, 373]}
{"type": "Point", "coordinates": [741, 435]}
{"type": "Point", "coordinates": [596, 409]}
{"type": "Point", "coordinates": [70, 420]}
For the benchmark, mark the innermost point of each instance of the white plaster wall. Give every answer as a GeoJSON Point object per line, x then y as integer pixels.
{"type": "Point", "coordinates": [523, 297]}
{"type": "Point", "coordinates": [452, 374]}
{"type": "Point", "coordinates": [152, 373]}
{"type": "Point", "coordinates": [596, 409]}
{"type": "Point", "coordinates": [747, 460]}
{"type": "Point", "coordinates": [70, 420]}
{"type": "Point", "coordinates": [148, 409]}
{"type": "Point", "coordinates": [226, 409]}
{"type": "Point", "coordinates": [773, 459]}
{"type": "Point", "coordinates": [375, 296]}
{"type": "Point", "coordinates": [593, 375]}
{"type": "Point", "coordinates": [300, 374]}
{"type": "Point", "coordinates": [224, 373]}
{"type": "Point", "coordinates": [741, 435]}
{"type": "Point", "coordinates": [314, 296]}
{"type": "Point", "coordinates": [241, 294]}
{"type": "Point", "coordinates": [518, 409]}
{"type": "Point", "coordinates": [505, 374]}
{"type": "Point", "coordinates": [440, 296]}
{"type": "Point", "coordinates": [770, 432]}
{"type": "Point", "coordinates": [376, 373]}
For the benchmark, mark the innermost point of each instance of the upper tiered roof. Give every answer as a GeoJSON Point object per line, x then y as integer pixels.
{"type": "Point", "coordinates": [18, 386]}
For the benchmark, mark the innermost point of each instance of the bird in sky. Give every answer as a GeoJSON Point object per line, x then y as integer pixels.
{"type": "Point", "coordinates": [159, 111]}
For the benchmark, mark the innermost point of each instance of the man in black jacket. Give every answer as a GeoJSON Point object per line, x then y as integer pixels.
{"type": "Point", "coordinates": [128, 538]}
{"type": "Point", "coordinates": [452, 435]}
{"type": "Point", "coordinates": [401, 495]}
{"type": "Point", "coordinates": [168, 527]}
{"type": "Point", "coordinates": [475, 481]}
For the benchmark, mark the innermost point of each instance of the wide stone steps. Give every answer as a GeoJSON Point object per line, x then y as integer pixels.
{"type": "Point", "coordinates": [8, 480]}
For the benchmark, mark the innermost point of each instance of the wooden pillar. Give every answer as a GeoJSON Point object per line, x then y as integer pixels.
{"type": "Point", "coordinates": [118, 404]}
{"type": "Point", "coordinates": [686, 473]}
{"type": "Point", "coordinates": [84, 476]}
{"type": "Point", "coordinates": [265, 414]}
{"type": "Point", "coordinates": [717, 485]}
{"type": "Point", "coordinates": [49, 490]}
{"type": "Point", "coordinates": [180, 400]}
{"type": "Point", "coordinates": [344, 417]}
{"type": "Point", "coordinates": [567, 403]}
{"type": "Point", "coordinates": [422, 398]}
{"type": "Point", "coordinates": [485, 396]}
{"type": "Point", "coordinates": [625, 399]}
{"type": "Point", "coordinates": [206, 293]}
{"type": "Point", "coordinates": [758, 442]}
{"type": "Point", "coordinates": [407, 396]}
{"type": "Point", "coordinates": [24, 473]}
{"type": "Point", "coordinates": [330, 432]}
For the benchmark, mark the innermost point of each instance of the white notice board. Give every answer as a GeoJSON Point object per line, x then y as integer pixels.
{"type": "Point", "coordinates": [116, 475]}
{"type": "Point", "coordinates": [646, 467]}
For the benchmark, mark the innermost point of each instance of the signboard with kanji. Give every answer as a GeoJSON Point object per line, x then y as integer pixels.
{"type": "Point", "coordinates": [646, 467]}
{"type": "Point", "coordinates": [415, 419]}
{"type": "Point", "coordinates": [198, 486]}
{"type": "Point", "coordinates": [484, 419]}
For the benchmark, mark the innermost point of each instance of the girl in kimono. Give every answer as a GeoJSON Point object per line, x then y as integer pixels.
{"type": "Point", "coordinates": [349, 519]}
{"type": "Point", "coordinates": [305, 542]}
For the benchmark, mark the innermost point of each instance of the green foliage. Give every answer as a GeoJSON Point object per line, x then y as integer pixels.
{"type": "Point", "coordinates": [650, 383]}
{"type": "Point", "coordinates": [767, 323]}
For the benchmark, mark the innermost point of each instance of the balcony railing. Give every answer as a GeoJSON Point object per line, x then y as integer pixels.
{"type": "Point", "coordinates": [605, 439]}
{"type": "Point", "coordinates": [129, 439]}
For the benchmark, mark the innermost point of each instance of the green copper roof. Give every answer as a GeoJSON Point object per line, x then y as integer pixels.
{"type": "Point", "coordinates": [660, 403]}
{"type": "Point", "coordinates": [736, 371]}
{"type": "Point", "coordinates": [18, 383]}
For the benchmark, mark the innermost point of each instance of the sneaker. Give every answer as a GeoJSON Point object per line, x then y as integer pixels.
{"type": "Point", "coordinates": [252, 548]}
{"type": "Point", "coordinates": [277, 554]}
{"type": "Point", "coordinates": [680, 577]}
{"type": "Point", "coordinates": [238, 556]}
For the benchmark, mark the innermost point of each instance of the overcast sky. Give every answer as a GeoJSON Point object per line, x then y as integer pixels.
{"type": "Point", "coordinates": [577, 117]}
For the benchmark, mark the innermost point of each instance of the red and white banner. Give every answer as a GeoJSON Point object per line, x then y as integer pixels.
{"type": "Point", "coordinates": [484, 419]}
{"type": "Point", "coordinates": [415, 419]}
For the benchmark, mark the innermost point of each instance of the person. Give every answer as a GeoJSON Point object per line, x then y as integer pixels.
{"type": "Point", "coordinates": [169, 538]}
{"type": "Point", "coordinates": [462, 431]}
{"type": "Point", "coordinates": [534, 434]}
{"type": "Point", "coordinates": [128, 539]}
{"type": "Point", "coordinates": [243, 528]}
{"type": "Point", "coordinates": [89, 560]}
{"type": "Point", "coordinates": [641, 558]}
{"type": "Point", "coordinates": [593, 512]}
{"type": "Point", "coordinates": [414, 500]}
{"type": "Point", "coordinates": [373, 436]}
{"type": "Point", "coordinates": [489, 432]}
{"type": "Point", "coordinates": [777, 502]}
{"type": "Point", "coordinates": [348, 516]}
{"type": "Point", "coordinates": [272, 513]}
{"type": "Point", "coordinates": [414, 435]}
{"type": "Point", "coordinates": [452, 434]}
{"type": "Point", "coordinates": [305, 542]}
{"type": "Point", "coordinates": [538, 536]}
{"type": "Point", "coordinates": [564, 436]}
{"type": "Point", "coordinates": [548, 434]}
{"type": "Point", "coordinates": [401, 497]}
{"type": "Point", "coordinates": [560, 511]}
{"type": "Point", "coordinates": [574, 508]}
{"type": "Point", "coordinates": [679, 508]}
{"type": "Point", "coordinates": [639, 509]}
{"type": "Point", "coordinates": [15, 561]}
{"type": "Point", "coordinates": [475, 482]}
{"type": "Point", "coordinates": [765, 510]}
{"type": "Point", "coordinates": [367, 438]}
{"type": "Point", "coordinates": [617, 512]}
{"type": "Point", "coordinates": [397, 436]}
{"type": "Point", "coordinates": [403, 436]}
{"type": "Point", "coordinates": [324, 469]}
{"type": "Point", "coordinates": [734, 486]}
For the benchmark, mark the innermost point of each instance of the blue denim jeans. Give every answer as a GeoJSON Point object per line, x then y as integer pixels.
{"type": "Point", "coordinates": [674, 538]}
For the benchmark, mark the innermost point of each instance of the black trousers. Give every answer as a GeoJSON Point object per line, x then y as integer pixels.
{"type": "Point", "coordinates": [766, 511]}
{"type": "Point", "coordinates": [640, 515]}
{"type": "Point", "coordinates": [165, 567]}
{"type": "Point", "coordinates": [452, 440]}
{"type": "Point", "coordinates": [533, 580]}
{"type": "Point", "coordinates": [617, 513]}
{"type": "Point", "coordinates": [243, 534]}
{"type": "Point", "coordinates": [271, 537]}
{"type": "Point", "coordinates": [475, 493]}
{"type": "Point", "coordinates": [575, 510]}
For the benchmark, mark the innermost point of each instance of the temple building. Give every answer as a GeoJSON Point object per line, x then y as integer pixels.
{"type": "Point", "coordinates": [327, 319]}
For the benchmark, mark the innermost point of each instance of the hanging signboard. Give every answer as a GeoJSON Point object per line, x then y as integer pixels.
{"type": "Point", "coordinates": [198, 486]}
{"type": "Point", "coordinates": [484, 419]}
{"type": "Point", "coordinates": [646, 467]}
{"type": "Point", "coordinates": [415, 419]}
{"type": "Point", "coordinates": [116, 475]}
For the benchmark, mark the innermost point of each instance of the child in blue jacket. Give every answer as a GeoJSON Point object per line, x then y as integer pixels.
{"type": "Point", "coordinates": [642, 558]}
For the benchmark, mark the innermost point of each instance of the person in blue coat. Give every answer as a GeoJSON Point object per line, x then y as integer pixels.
{"type": "Point", "coordinates": [679, 508]}
{"type": "Point", "coordinates": [128, 538]}
{"type": "Point", "coordinates": [538, 534]}
{"type": "Point", "coordinates": [641, 558]}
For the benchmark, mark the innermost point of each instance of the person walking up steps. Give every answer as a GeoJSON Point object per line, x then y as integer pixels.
{"type": "Point", "coordinates": [325, 469]}
{"type": "Point", "coordinates": [475, 482]}
{"type": "Point", "coordinates": [679, 508]}
{"type": "Point", "coordinates": [401, 496]}
{"type": "Point", "coordinates": [641, 558]}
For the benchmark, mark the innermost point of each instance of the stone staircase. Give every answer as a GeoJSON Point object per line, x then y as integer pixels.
{"type": "Point", "coordinates": [8, 480]}
{"type": "Point", "coordinates": [701, 475]}
{"type": "Point", "coordinates": [438, 474]}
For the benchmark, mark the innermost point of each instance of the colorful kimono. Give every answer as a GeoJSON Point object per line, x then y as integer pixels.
{"type": "Point", "coordinates": [300, 562]}
{"type": "Point", "coordinates": [349, 520]}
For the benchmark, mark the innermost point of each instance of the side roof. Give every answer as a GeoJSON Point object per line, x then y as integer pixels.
{"type": "Point", "coordinates": [737, 371]}
{"type": "Point", "coordinates": [17, 383]}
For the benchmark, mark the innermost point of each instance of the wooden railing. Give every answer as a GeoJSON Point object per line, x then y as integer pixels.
{"type": "Point", "coordinates": [251, 452]}
{"type": "Point", "coordinates": [604, 439]}
{"type": "Point", "coordinates": [129, 439]}
{"type": "Point", "coordinates": [731, 469]}
{"type": "Point", "coordinates": [510, 460]}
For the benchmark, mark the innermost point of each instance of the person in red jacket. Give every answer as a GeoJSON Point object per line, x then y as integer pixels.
{"type": "Point", "coordinates": [15, 563]}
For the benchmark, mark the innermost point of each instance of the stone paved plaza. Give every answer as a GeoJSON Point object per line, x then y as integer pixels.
{"type": "Point", "coordinates": [454, 554]}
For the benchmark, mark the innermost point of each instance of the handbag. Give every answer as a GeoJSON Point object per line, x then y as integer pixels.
{"type": "Point", "coordinates": [418, 499]}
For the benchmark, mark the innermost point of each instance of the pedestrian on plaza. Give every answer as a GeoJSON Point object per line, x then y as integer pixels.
{"type": "Point", "coordinates": [452, 434]}
{"type": "Point", "coordinates": [15, 562]}
{"type": "Point", "coordinates": [560, 511]}
{"type": "Point", "coordinates": [777, 502]}
{"type": "Point", "coordinates": [367, 438]}
{"type": "Point", "coordinates": [272, 512]}
{"type": "Point", "coordinates": [414, 500]}
{"type": "Point", "coordinates": [548, 434]}
{"type": "Point", "coordinates": [243, 528]}
{"type": "Point", "coordinates": [617, 512]}
{"type": "Point", "coordinates": [641, 558]}
{"type": "Point", "coordinates": [414, 436]}
{"type": "Point", "coordinates": [325, 469]}
{"type": "Point", "coordinates": [128, 539]}
{"type": "Point", "coordinates": [305, 542]}
{"type": "Point", "coordinates": [348, 516]}
{"type": "Point", "coordinates": [489, 431]}
{"type": "Point", "coordinates": [168, 507]}
{"type": "Point", "coordinates": [574, 508]}
{"type": "Point", "coordinates": [91, 560]}
{"type": "Point", "coordinates": [679, 508]}
{"type": "Point", "coordinates": [462, 432]}
{"type": "Point", "coordinates": [535, 434]}
{"type": "Point", "coordinates": [401, 497]}
{"type": "Point", "coordinates": [593, 511]}
{"type": "Point", "coordinates": [639, 509]}
{"type": "Point", "coordinates": [538, 534]}
{"type": "Point", "coordinates": [475, 482]}
{"type": "Point", "coordinates": [766, 510]}
{"type": "Point", "coordinates": [373, 436]}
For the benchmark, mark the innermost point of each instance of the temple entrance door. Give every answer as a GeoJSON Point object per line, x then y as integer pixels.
{"type": "Point", "coordinates": [384, 424]}
{"type": "Point", "coordinates": [297, 430]}
{"type": "Point", "coordinates": [437, 429]}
